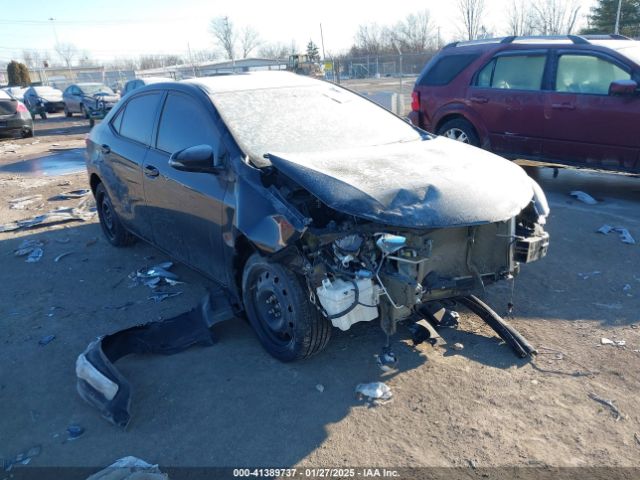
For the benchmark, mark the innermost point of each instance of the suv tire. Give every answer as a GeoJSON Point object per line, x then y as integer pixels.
{"type": "Point", "coordinates": [460, 130]}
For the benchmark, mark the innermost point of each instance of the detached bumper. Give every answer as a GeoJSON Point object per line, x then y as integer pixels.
{"type": "Point", "coordinates": [530, 249]}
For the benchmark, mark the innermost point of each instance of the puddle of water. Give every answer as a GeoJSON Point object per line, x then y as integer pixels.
{"type": "Point", "coordinates": [60, 163]}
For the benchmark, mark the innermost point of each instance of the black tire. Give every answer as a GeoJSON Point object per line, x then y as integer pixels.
{"type": "Point", "coordinates": [277, 305]}
{"type": "Point", "coordinates": [112, 228]}
{"type": "Point", "coordinates": [84, 112]}
{"type": "Point", "coordinates": [67, 113]}
{"type": "Point", "coordinates": [461, 130]}
{"type": "Point", "coordinates": [43, 115]}
{"type": "Point", "coordinates": [26, 133]}
{"type": "Point", "coordinates": [92, 122]}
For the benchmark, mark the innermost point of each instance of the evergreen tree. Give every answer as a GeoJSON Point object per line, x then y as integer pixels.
{"type": "Point", "coordinates": [603, 18]}
{"type": "Point", "coordinates": [18, 74]}
{"type": "Point", "coordinates": [25, 78]}
{"type": "Point", "coordinates": [312, 51]}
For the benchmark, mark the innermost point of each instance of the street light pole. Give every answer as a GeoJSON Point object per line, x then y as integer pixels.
{"type": "Point", "coordinates": [616, 30]}
{"type": "Point", "coordinates": [55, 32]}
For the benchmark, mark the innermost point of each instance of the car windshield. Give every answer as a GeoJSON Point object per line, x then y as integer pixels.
{"type": "Point", "coordinates": [307, 119]}
{"type": "Point", "coordinates": [93, 89]}
{"type": "Point", "coordinates": [45, 90]}
{"type": "Point", "coordinates": [632, 53]}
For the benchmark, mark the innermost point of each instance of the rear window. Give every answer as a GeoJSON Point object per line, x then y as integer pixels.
{"type": "Point", "coordinates": [515, 72]}
{"type": "Point", "coordinates": [447, 68]}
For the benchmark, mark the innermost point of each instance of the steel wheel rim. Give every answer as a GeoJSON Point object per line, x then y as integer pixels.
{"type": "Point", "coordinates": [108, 219]}
{"type": "Point", "coordinates": [269, 298]}
{"type": "Point", "coordinates": [457, 134]}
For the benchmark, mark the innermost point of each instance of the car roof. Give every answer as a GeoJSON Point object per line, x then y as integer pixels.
{"type": "Point", "coordinates": [250, 81]}
{"type": "Point", "coordinates": [86, 84]}
{"type": "Point", "coordinates": [607, 41]}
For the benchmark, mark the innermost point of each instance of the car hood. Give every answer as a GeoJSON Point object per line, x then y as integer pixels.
{"type": "Point", "coordinates": [51, 97]}
{"type": "Point", "coordinates": [424, 184]}
{"type": "Point", "coordinates": [105, 97]}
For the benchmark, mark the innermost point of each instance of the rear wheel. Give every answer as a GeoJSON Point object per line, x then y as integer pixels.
{"type": "Point", "coordinates": [276, 302]}
{"type": "Point", "coordinates": [26, 132]}
{"type": "Point", "coordinates": [84, 112]}
{"type": "Point", "coordinates": [460, 130]}
{"type": "Point", "coordinates": [67, 113]}
{"type": "Point", "coordinates": [109, 221]}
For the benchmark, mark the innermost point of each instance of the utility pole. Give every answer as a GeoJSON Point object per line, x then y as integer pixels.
{"type": "Point", "coordinates": [616, 30]}
{"type": "Point", "coordinates": [193, 67]}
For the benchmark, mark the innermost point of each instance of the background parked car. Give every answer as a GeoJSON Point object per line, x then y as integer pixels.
{"type": "Point", "coordinates": [14, 116]}
{"type": "Point", "coordinates": [43, 99]}
{"type": "Point", "coordinates": [141, 82]}
{"type": "Point", "coordinates": [572, 100]}
{"type": "Point", "coordinates": [16, 92]}
{"type": "Point", "coordinates": [89, 99]}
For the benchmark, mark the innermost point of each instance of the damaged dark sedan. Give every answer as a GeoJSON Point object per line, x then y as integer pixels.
{"type": "Point", "coordinates": [310, 205]}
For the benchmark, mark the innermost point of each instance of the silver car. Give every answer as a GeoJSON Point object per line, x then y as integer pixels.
{"type": "Point", "coordinates": [93, 100]}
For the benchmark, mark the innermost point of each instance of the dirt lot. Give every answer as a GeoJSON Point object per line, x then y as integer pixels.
{"type": "Point", "coordinates": [233, 405]}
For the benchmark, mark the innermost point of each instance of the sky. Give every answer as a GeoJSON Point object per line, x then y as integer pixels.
{"type": "Point", "coordinates": [128, 28]}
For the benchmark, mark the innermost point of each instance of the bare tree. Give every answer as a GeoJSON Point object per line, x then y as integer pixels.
{"type": "Point", "coordinates": [555, 17]}
{"type": "Point", "coordinates": [520, 18]}
{"type": "Point", "coordinates": [224, 34]}
{"type": "Point", "coordinates": [274, 51]}
{"type": "Point", "coordinates": [471, 12]}
{"type": "Point", "coordinates": [371, 39]}
{"type": "Point", "coordinates": [67, 52]}
{"type": "Point", "coordinates": [415, 33]}
{"type": "Point", "coordinates": [249, 40]}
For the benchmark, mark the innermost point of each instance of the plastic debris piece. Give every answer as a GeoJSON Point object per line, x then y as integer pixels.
{"type": "Point", "coordinates": [374, 391]}
{"type": "Point", "coordinates": [585, 276]}
{"type": "Point", "coordinates": [457, 346]}
{"type": "Point", "coordinates": [82, 212]}
{"type": "Point", "coordinates": [61, 256]}
{"type": "Point", "coordinates": [46, 340]}
{"type": "Point", "coordinates": [160, 297]}
{"type": "Point", "coordinates": [35, 255]}
{"type": "Point", "coordinates": [75, 431]}
{"type": "Point", "coordinates": [626, 288]}
{"type": "Point", "coordinates": [23, 202]}
{"type": "Point", "coordinates": [387, 361]}
{"type": "Point", "coordinates": [320, 387]}
{"type": "Point", "coordinates": [617, 343]}
{"type": "Point", "coordinates": [130, 468]}
{"type": "Point", "coordinates": [26, 247]}
{"type": "Point", "coordinates": [71, 195]}
{"type": "Point", "coordinates": [625, 236]}
{"type": "Point", "coordinates": [23, 458]}
{"type": "Point", "coordinates": [584, 197]}
{"type": "Point", "coordinates": [609, 403]}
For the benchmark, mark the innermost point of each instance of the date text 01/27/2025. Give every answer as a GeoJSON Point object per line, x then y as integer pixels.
{"type": "Point", "coordinates": [316, 472]}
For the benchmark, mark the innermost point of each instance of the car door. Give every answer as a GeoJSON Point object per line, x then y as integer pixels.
{"type": "Point", "coordinates": [507, 95]}
{"type": "Point", "coordinates": [124, 155]}
{"type": "Point", "coordinates": [585, 124]}
{"type": "Point", "coordinates": [186, 208]}
{"type": "Point", "coordinates": [76, 99]}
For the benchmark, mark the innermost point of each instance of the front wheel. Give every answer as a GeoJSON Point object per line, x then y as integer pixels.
{"type": "Point", "coordinates": [112, 228]}
{"type": "Point", "coordinates": [84, 112]}
{"type": "Point", "coordinates": [277, 304]}
{"type": "Point", "coordinates": [67, 113]}
{"type": "Point", "coordinates": [460, 130]}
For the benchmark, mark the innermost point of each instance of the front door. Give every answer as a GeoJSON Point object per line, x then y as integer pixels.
{"type": "Point", "coordinates": [186, 208]}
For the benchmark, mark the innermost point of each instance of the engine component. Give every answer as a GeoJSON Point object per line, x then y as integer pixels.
{"type": "Point", "coordinates": [346, 249]}
{"type": "Point", "coordinates": [390, 243]}
{"type": "Point", "coordinates": [339, 296]}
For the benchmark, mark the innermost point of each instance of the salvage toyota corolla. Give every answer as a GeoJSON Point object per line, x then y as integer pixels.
{"type": "Point", "coordinates": [312, 206]}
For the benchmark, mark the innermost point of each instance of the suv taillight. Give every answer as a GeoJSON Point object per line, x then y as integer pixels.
{"type": "Point", "coordinates": [21, 108]}
{"type": "Point", "coordinates": [415, 101]}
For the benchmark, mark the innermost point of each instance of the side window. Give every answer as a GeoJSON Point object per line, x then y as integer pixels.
{"type": "Point", "coordinates": [447, 68]}
{"type": "Point", "coordinates": [117, 120]}
{"type": "Point", "coordinates": [184, 123]}
{"type": "Point", "coordinates": [515, 72]}
{"type": "Point", "coordinates": [587, 74]}
{"type": "Point", "coordinates": [138, 117]}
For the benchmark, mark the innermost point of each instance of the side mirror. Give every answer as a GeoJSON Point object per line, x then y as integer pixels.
{"type": "Point", "coordinates": [199, 158]}
{"type": "Point", "coordinates": [623, 87]}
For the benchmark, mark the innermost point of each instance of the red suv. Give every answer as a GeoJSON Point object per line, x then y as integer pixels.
{"type": "Point", "coordinates": [572, 99]}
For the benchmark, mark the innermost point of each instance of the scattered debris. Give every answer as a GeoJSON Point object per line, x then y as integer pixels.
{"type": "Point", "coordinates": [75, 431]}
{"type": "Point", "coordinates": [23, 202]}
{"type": "Point", "coordinates": [626, 288]}
{"type": "Point", "coordinates": [637, 437]}
{"type": "Point", "coordinates": [609, 403]}
{"type": "Point", "coordinates": [584, 197]}
{"type": "Point", "coordinates": [27, 246]}
{"type": "Point", "coordinates": [101, 385]}
{"type": "Point", "coordinates": [320, 387]}
{"type": "Point", "coordinates": [625, 236]}
{"type": "Point", "coordinates": [585, 276]}
{"type": "Point", "coordinates": [161, 296]}
{"type": "Point", "coordinates": [374, 391]}
{"type": "Point", "coordinates": [457, 346]}
{"type": "Point", "coordinates": [617, 343]}
{"type": "Point", "coordinates": [61, 256]}
{"type": "Point", "coordinates": [534, 382]}
{"type": "Point", "coordinates": [130, 468]}
{"type": "Point", "coordinates": [71, 195]}
{"type": "Point", "coordinates": [155, 276]}
{"type": "Point", "coordinates": [35, 255]}
{"type": "Point", "coordinates": [46, 340]}
{"type": "Point", "coordinates": [387, 361]}
{"type": "Point", "coordinates": [23, 458]}
{"type": "Point", "coordinates": [82, 213]}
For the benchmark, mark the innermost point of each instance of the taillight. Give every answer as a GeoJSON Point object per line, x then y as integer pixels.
{"type": "Point", "coordinates": [21, 108]}
{"type": "Point", "coordinates": [415, 101]}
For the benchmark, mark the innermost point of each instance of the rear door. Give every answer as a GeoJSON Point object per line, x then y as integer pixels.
{"type": "Point", "coordinates": [507, 94]}
{"type": "Point", "coordinates": [186, 208]}
{"type": "Point", "coordinates": [585, 125]}
{"type": "Point", "coordinates": [124, 155]}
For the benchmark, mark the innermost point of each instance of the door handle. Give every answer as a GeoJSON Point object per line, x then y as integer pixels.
{"type": "Point", "coordinates": [105, 149]}
{"type": "Point", "coordinates": [479, 99]}
{"type": "Point", "coordinates": [151, 171]}
{"type": "Point", "coordinates": [563, 106]}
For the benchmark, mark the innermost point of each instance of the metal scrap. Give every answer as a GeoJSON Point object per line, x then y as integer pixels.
{"type": "Point", "coordinates": [584, 197]}
{"type": "Point", "coordinates": [609, 403]}
{"type": "Point", "coordinates": [27, 246]}
{"type": "Point", "coordinates": [155, 276]}
{"type": "Point", "coordinates": [625, 236]}
{"type": "Point", "coordinates": [61, 256]}
{"type": "Point", "coordinates": [71, 195]}
{"type": "Point", "coordinates": [23, 202]}
{"type": "Point", "coordinates": [82, 212]}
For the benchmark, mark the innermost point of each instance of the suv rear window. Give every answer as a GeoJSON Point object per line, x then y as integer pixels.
{"type": "Point", "coordinates": [517, 72]}
{"type": "Point", "coordinates": [447, 68]}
